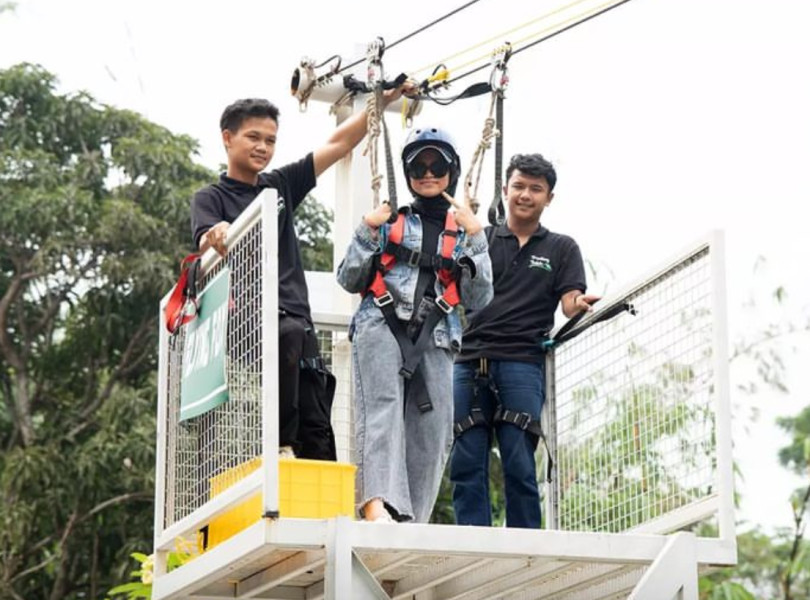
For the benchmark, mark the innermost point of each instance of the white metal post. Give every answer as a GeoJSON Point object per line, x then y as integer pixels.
{"type": "Point", "coordinates": [269, 328]}
{"type": "Point", "coordinates": [160, 458]}
{"type": "Point", "coordinates": [725, 467]}
{"type": "Point", "coordinates": [338, 573]}
{"type": "Point", "coordinates": [352, 201]}
{"type": "Point", "coordinates": [673, 574]}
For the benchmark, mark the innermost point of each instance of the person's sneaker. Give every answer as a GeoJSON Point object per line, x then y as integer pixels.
{"type": "Point", "coordinates": [286, 452]}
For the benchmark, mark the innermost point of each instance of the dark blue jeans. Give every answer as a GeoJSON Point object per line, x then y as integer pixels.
{"type": "Point", "coordinates": [521, 388]}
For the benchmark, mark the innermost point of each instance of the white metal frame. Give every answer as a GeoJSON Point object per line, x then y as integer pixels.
{"type": "Point", "coordinates": [721, 503]}
{"type": "Point", "coordinates": [352, 560]}
{"type": "Point", "coordinates": [265, 479]}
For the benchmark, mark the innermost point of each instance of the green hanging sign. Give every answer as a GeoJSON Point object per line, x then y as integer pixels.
{"type": "Point", "coordinates": [203, 384]}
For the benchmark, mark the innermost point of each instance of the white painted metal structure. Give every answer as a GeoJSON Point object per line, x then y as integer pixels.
{"type": "Point", "coordinates": [613, 505]}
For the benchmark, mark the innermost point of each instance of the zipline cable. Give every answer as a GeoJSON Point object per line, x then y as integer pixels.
{"type": "Point", "coordinates": [604, 8]}
{"type": "Point", "coordinates": [498, 37]}
{"type": "Point", "coordinates": [416, 31]}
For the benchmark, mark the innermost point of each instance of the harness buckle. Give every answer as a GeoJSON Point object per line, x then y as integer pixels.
{"type": "Point", "coordinates": [405, 373]}
{"type": "Point", "coordinates": [523, 420]}
{"type": "Point", "coordinates": [414, 258]}
{"type": "Point", "coordinates": [444, 305]}
{"type": "Point", "coordinates": [384, 299]}
{"type": "Point", "coordinates": [461, 426]}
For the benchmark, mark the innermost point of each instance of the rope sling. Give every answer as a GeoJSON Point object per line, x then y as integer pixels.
{"type": "Point", "coordinates": [493, 130]}
{"type": "Point", "coordinates": [375, 108]}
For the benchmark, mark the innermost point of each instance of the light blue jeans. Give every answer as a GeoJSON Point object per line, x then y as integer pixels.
{"type": "Point", "coordinates": [401, 452]}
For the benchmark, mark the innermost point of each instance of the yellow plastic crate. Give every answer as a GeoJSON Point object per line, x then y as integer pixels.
{"type": "Point", "coordinates": [309, 489]}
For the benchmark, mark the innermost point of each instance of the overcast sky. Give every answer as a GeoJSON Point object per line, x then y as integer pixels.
{"type": "Point", "coordinates": [665, 119]}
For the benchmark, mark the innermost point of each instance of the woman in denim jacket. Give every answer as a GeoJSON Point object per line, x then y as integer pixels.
{"type": "Point", "coordinates": [404, 424]}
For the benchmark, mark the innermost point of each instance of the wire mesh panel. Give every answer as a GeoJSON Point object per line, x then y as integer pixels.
{"type": "Point", "coordinates": [208, 453]}
{"type": "Point", "coordinates": [635, 406]}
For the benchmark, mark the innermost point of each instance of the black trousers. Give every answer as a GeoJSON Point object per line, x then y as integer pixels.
{"type": "Point", "coordinates": [306, 391]}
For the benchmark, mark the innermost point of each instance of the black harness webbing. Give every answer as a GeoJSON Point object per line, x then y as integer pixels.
{"type": "Point", "coordinates": [522, 420]}
{"type": "Point", "coordinates": [497, 213]}
{"type": "Point", "coordinates": [569, 331]}
{"type": "Point", "coordinates": [413, 345]}
{"type": "Point", "coordinates": [415, 258]}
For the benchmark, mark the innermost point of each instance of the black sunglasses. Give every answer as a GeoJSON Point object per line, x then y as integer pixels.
{"type": "Point", "coordinates": [418, 170]}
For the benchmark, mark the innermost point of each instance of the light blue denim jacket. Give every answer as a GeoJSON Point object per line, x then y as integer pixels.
{"type": "Point", "coordinates": [355, 272]}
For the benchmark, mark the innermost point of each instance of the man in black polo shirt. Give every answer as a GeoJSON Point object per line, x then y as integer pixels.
{"type": "Point", "coordinates": [498, 381]}
{"type": "Point", "coordinates": [249, 130]}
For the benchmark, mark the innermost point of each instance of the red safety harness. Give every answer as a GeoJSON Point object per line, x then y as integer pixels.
{"type": "Point", "coordinates": [182, 305]}
{"type": "Point", "coordinates": [447, 271]}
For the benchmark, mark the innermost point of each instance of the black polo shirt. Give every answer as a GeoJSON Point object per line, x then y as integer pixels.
{"type": "Point", "coordinates": [225, 201]}
{"type": "Point", "coordinates": [529, 283]}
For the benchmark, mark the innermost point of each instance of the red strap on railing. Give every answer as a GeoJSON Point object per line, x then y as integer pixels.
{"type": "Point", "coordinates": [177, 312]}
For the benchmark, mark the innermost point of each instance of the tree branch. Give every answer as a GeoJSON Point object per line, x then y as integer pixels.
{"type": "Point", "coordinates": [746, 349]}
{"type": "Point", "coordinates": [95, 510]}
{"type": "Point", "coordinates": [117, 374]}
{"type": "Point", "coordinates": [56, 301]}
{"type": "Point", "coordinates": [798, 518]}
{"type": "Point", "coordinates": [58, 589]}
{"type": "Point", "coordinates": [13, 292]}
{"type": "Point", "coordinates": [116, 500]}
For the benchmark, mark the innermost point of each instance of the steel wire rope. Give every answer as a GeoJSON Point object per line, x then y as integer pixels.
{"type": "Point", "coordinates": [497, 37]}
{"type": "Point", "coordinates": [602, 9]}
{"type": "Point", "coordinates": [413, 33]}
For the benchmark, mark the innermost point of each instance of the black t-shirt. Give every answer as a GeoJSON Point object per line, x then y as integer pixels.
{"type": "Point", "coordinates": [225, 201]}
{"type": "Point", "coordinates": [529, 283]}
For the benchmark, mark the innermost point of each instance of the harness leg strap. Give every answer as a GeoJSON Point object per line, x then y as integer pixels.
{"type": "Point", "coordinates": [524, 421]}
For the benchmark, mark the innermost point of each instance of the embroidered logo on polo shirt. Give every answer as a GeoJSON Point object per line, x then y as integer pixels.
{"type": "Point", "coordinates": [539, 262]}
{"type": "Point", "coordinates": [280, 204]}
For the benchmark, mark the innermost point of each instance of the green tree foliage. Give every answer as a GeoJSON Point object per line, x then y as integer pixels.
{"type": "Point", "coordinates": [313, 223]}
{"type": "Point", "coordinates": [795, 573]}
{"type": "Point", "coordinates": [94, 220]}
{"type": "Point", "coordinates": [796, 456]}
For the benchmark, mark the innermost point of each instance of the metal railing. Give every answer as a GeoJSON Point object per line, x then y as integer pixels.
{"type": "Point", "coordinates": [196, 456]}
{"type": "Point", "coordinates": [637, 412]}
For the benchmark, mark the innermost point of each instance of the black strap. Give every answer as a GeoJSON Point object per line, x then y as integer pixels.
{"type": "Point", "coordinates": [413, 356]}
{"type": "Point", "coordinates": [521, 420]}
{"type": "Point", "coordinates": [476, 417]}
{"type": "Point", "coordinates": [191, 282]}
{"type": "Point", "coordinates": [475, 89]}
{"type": "Point", "coordinates": [412, 351]}
{"type": "Point", "coordinates": [415, 258]}
{"type": "Point", "coordinates": [497, 214]}
{"type": "Point", "coordinates": [569, 331]}
{"type": "Point", "coordinates": [352, 84]}
{"type": "Point", "coordinates": [527, 423]}
{"type": "Point", "coordinates": [314, 363]}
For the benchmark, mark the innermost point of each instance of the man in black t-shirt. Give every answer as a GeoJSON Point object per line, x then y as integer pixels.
{"type": "Point", "coordinates": [499, 379]}
{"type": "Point", "coordinates": [249, 130]}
